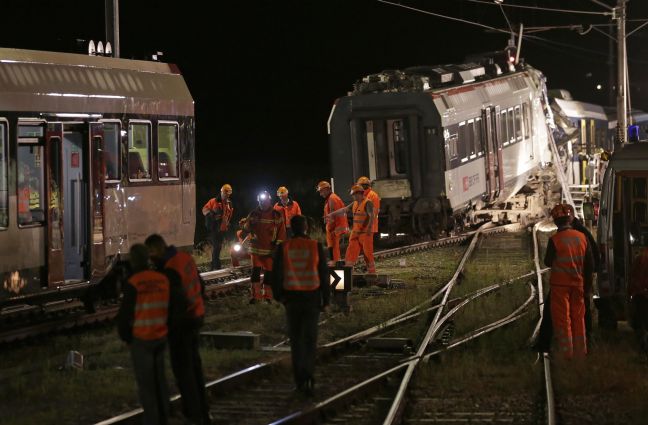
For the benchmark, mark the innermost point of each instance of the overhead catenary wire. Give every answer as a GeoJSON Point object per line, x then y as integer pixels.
{"type": "Point", "coordinates": [545, 9]}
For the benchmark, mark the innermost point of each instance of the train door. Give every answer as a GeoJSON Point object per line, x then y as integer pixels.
{"type": "Point", "coordinates": [97, 180]}
{"type": "Point", "coordinates": [491, 158]}
{"type": "Point", "coordinates": [54, 196]}
{"type": "Point", "coordinates": [74, 204]}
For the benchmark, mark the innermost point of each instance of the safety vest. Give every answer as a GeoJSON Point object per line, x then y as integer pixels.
{"type": "Point", "coordinates": [23, 200]}
{"type": "Point", "coordinates": [151, 305]}
{"type": "Point", "coordinates": [338, 224]}
{"type": "Point", "coordinates": [360, 217]}
{"type": "Point", "coordinates": [288, 211]}
{"type": "Point", "coordinates": [371, 195]}
{"type": "Point", "coordinates": [300, 260]}
{"type": "Point", "coordinates": [186, 268]}
{"type": "Point", "coordinates": [567, 267]}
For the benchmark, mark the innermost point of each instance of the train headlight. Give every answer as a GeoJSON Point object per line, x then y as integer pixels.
{"type": "Point", "coordinates": [237, 247]}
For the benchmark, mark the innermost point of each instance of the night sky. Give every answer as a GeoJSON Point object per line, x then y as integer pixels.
{"type": "Point", "coordinates": [261, 110]}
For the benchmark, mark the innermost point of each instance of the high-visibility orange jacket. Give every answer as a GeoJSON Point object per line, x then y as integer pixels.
{"type": "Point", "coordinates": [185, 266]}
{"type": "Point", "coordinates": [375, 200]}
{"type": "Point", "coordinates": [338, 224]}
{"type": "Point", "coordinates": [151, 304]}
{"type": "Point", "coordinates": [266, 229]}
{"type": "Point", "coordinates": [567, 253]}
{"type": "Point", "coordinates": [23, 200]}
{"type": "Point", "coordinates": [289, 210]}
{"type": "Point", "coordinates": [300, 262]}
{"type": "Point", "coordinates": [222, 212]}
{"type": "Point", "coordinates": [361, 217]}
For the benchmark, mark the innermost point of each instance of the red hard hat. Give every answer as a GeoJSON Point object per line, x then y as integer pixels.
{"type": "Point", "coordinates": [561, 210]}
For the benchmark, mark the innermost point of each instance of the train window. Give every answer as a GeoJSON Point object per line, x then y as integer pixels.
{"type": "Point", "coordinates": [526, 119]}
{"type": "Point", "coordinates": [398, 146]}
{"type": "Point", "coordinates": [167, 150]}
{"type": "Point", "coordinates": [139, 151]}
{"type": "Point", "coordinates": [503, 128]}
{"type": "Point", "coordinates": [112, 150]}
{"type": "Point", "coordinates": [510, 126]}
{"type": "Point", "coordinates": [517, 123]}
{"type": "Point", "coordinates": [4, 165]}
{"type": "Point", "coordinates": [450, 136]}
{"type": "Point", "coordinates": [31, 188]}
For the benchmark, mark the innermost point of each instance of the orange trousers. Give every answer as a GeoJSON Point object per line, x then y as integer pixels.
{"type": "Point", "coordinates": [568, 317]}
{"type": "Point", "coordinates": [364, 242]}
{"type": "Point", "coordinates": [333, 243]}
{"type": "Point", "coordinates": [261, 290]}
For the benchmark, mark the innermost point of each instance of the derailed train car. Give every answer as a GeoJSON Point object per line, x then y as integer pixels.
{"type": "Point", "coordinates": [95, 154]}
{"type": "Point", "coordinates": [441, 142]}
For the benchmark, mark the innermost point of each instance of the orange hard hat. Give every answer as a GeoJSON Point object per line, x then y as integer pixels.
{"type": "Point", "coordinates": [322, 185]}
{"type": "Point", "coordinates": [283, 190]}
{"type": "Point", "coordinates": [363, 180]}
{"type": "Point", "coordinates": [227, 189]}
{"type": "Point", "coordinates": [561, 210]}
{"type": "Point", "coordinates": [356, 188]}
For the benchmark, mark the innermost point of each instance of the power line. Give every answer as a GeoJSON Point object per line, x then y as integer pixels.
{"type": "Point", "coordinates": [546, 9]}
{"type": "Point", "coordinates": [442, 16]}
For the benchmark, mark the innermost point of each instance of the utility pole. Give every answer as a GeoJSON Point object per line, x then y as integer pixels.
{"type": "Point", "coordinates": [112, 24]}
{"type": "Point", "coordinates": [619, 13]}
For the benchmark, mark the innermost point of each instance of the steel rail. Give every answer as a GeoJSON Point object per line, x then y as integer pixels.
{"type": "Point", "coordinates": [551, 404]}
{"type": "Point", "coordinates": [398, 402]}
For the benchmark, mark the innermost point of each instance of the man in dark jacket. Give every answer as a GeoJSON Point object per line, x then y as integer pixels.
{"type": "Point", "coordinates": [183, 339]}
{"type": "Point", "coordinates": [301, 283]}
{"type": "Point", "coordinates": [152, 303]}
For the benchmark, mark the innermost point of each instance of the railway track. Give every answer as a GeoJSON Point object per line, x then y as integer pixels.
{"type": "Point", "coordinates": [356, 384]}
{"type": "Point", "coordinates": [26, 321]}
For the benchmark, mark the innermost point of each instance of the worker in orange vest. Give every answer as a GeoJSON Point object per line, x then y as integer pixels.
{"type": "Point", "coordinates": [371, 195]}
{"type": "Point", "coordinates": [183, 340]}
{"type": "Point", "coordinates": [151, 304]}
{"type": "Point", "coordinates": [571, 264]}
{"type": "Point", "coordinates": [301, 282]}
{"type": "Point", "coordinates": [361, 232]}
{"type": "Point", "coordinates": [288, 207]}
{"type": "Point", "coordinates": [267, 229]}
{"type": "Point", "coordinates": [239, 250]}
{"type": "Point", "coordinates": [218, 214]}
{"type": "Point", "coordinates": [336, 227]}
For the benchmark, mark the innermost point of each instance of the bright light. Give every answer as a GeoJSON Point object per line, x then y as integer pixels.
{"type": "Point", "coordinates": [632, 239]}
{"type": "Point", "coordinates": [237, 247]}
{"type": "Point", "coordinates": [599, 87]}
{"type": "Point", "coordinates": [262, 196]}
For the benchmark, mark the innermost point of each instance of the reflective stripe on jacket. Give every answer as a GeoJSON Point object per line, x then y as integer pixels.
{"type": "Point", "coordinates": [300, 262]}
{"type": "Point", "coordinates": [567, 268]}
{"type": "Point", "coordinates": [151, 305]}
{"type": "Point", "coordinates": [371, 195]}
{"type": "Point", "coordinates": [184, 265]}
{"type": "Point", "coordinates": [360, 217]}
{"type": "Point", "coordinates": [339, 224]}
